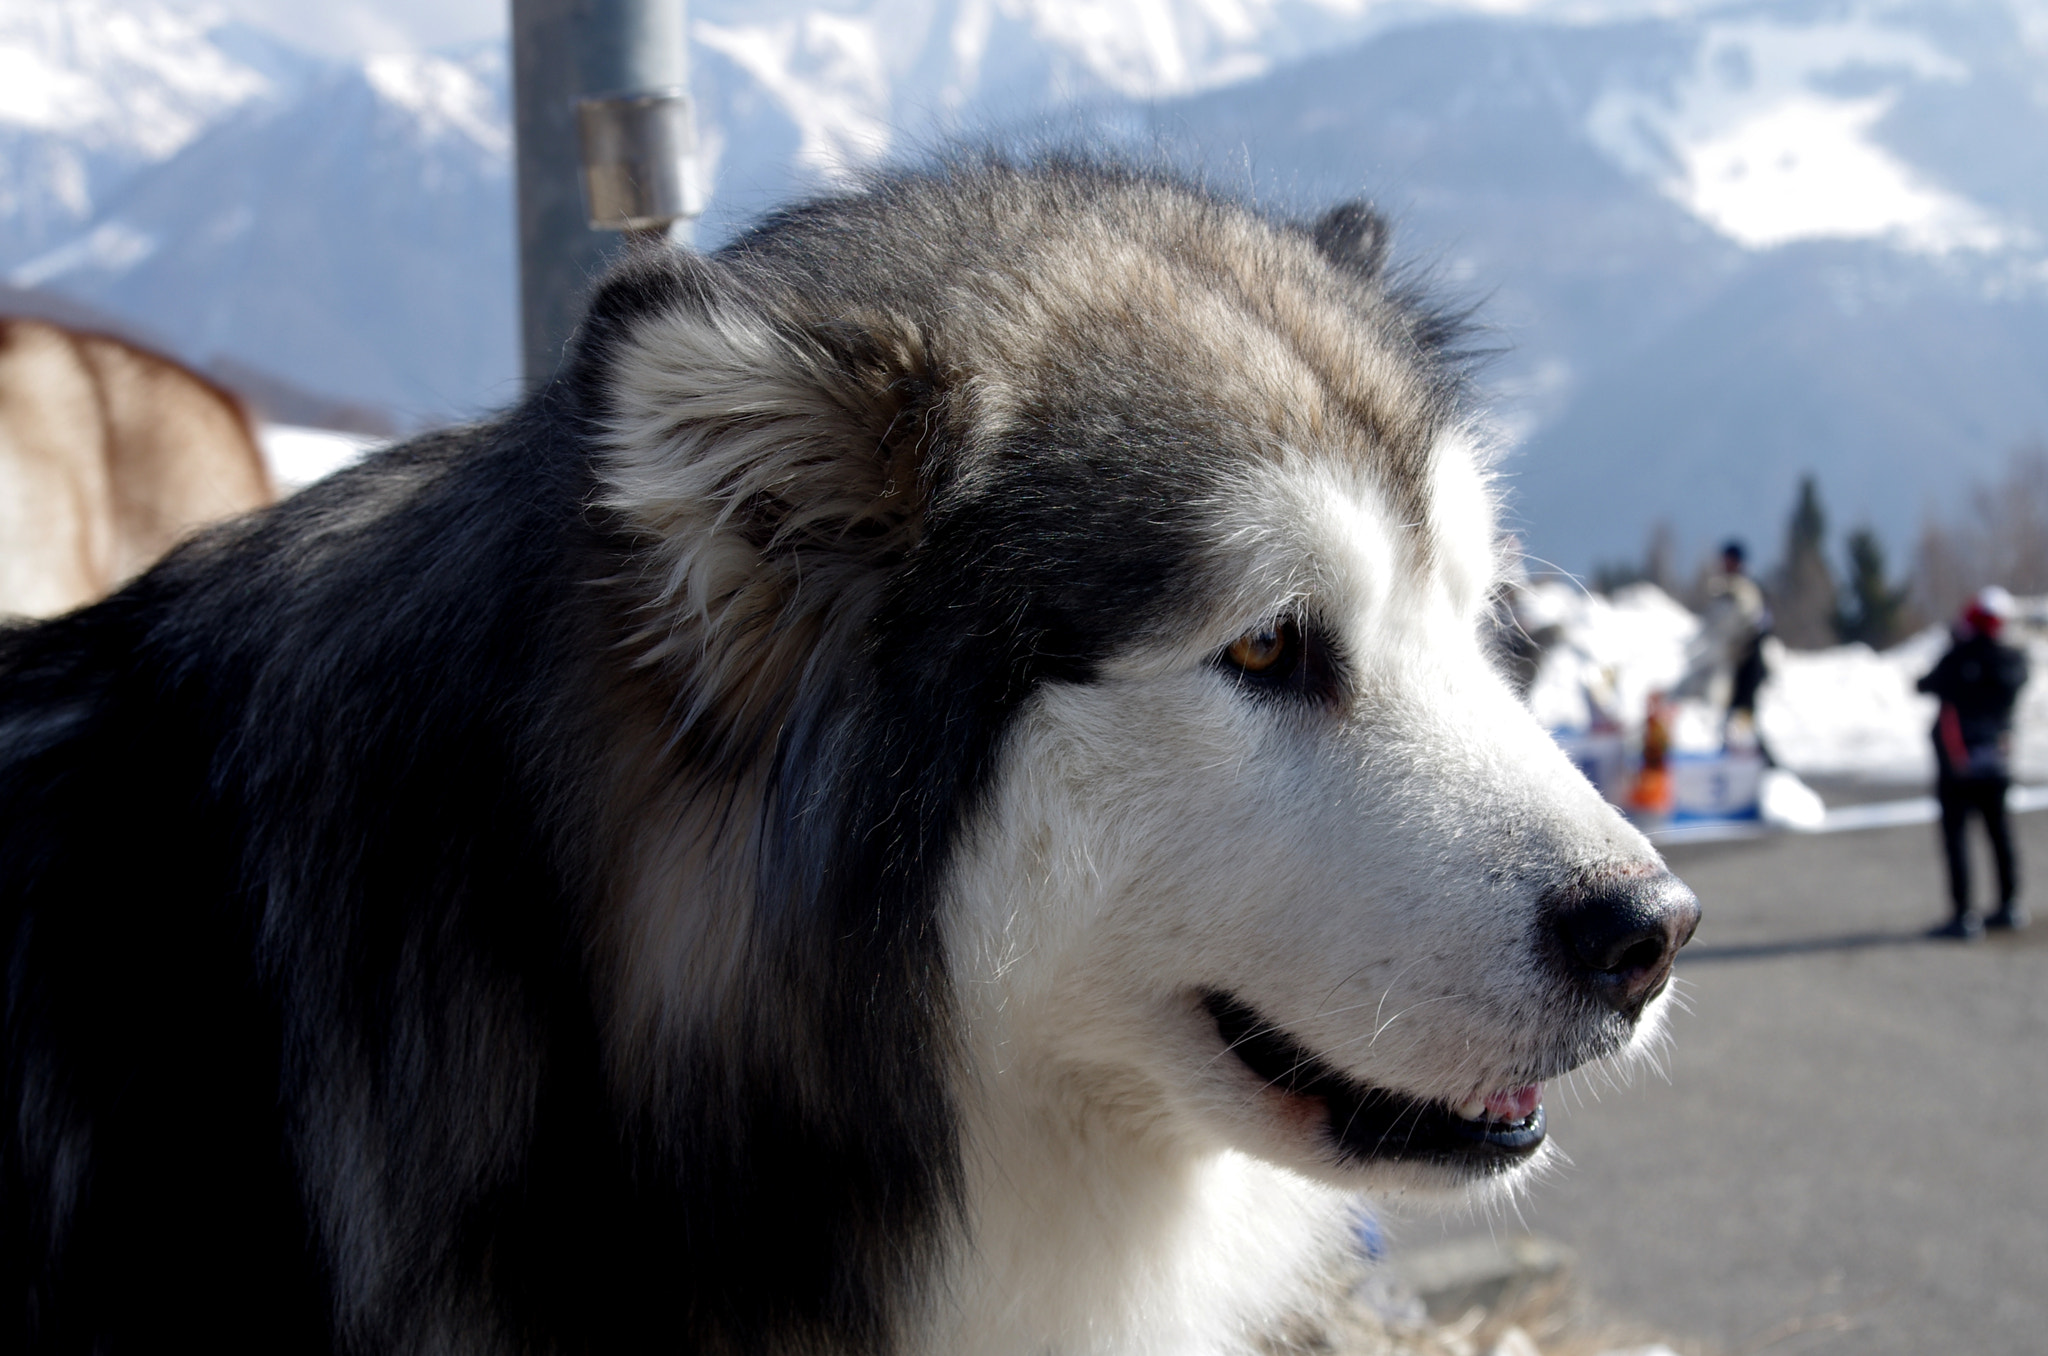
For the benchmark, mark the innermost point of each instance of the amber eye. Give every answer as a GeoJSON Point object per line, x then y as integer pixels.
{"type": "Point", "coordinates": [1285, 657]}
{"type": "Point", "coordinates": [1266, 652]}
{"type": "Point", "coordinates": [1282, 658]}
{"type": "Point", "coordinates": [1261, 650]}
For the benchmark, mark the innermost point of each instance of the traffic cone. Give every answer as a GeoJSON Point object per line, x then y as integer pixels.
{"type": "Point", "coordinates": [1651, 795]}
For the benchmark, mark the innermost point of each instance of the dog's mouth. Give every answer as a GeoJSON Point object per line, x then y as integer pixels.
{"type": "Point", "coordinates": [1485, 1133]}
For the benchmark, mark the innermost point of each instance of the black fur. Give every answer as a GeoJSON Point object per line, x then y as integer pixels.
{"type": "Point", "coordinates": [1354, 236]}
{"type": "Point", "coordinates": [303, 847]}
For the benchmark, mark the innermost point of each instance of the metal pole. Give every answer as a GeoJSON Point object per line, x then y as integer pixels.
{"type": "Point", "coordinates": [605, 150]}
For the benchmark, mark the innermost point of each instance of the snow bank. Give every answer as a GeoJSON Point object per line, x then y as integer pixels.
{"type": "Point", "coordinates": [1609, 654]}
{"type": "Point", "coordinates": [299, 456]}
{"type": "Point", "coordinates": [1852, 712]}
{"type": "Point", "coordinates": [1843, 712]}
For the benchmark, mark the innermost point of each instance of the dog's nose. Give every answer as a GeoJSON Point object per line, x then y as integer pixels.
{"type": "Point", "coordinates": [1619, 934]}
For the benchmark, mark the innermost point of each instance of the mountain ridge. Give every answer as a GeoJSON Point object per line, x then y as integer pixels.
{"type": "Point", "coordinates": [1719, 245]}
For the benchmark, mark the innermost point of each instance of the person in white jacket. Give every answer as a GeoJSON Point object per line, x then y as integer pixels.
{"type": "Point", "coordinates": [1726, 665]}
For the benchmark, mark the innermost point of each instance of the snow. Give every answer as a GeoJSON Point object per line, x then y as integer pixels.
{"type": "Point", "coordinates": [1806, 168]}
{"type": "Point", "coordinates": [143, 78]}
{"type": "Point", "coordinates": [1152, 48]}
{"type": "Point", "coordinates": [144, 169]}
{"type": "Point", "coordinates": [110, 247]}
{"type": "Point", "coordinates": [38, 95]}
{"type": "Point", "coordinates": [1612, 655]}
{"type": "Point", "coordinates": [446, 98]}
{"type": "Point", "coordinates": [827, 73]}
{"type": "Point", "coordinates": [348, 29]}
{"type": "Point", "coordinates": [857, 80]}
{"type": "Point", "coordinates": [1759, 138]}
{"type": "Point", "coordinates": [91, 92]}
{"type": "Point", "coordinates": [1845, 712]}
{"type": "Point", "coordinates": [1852, 712]}
{"type": "Point", "coordinates": [1754, 143]}
{"type": "Point", "coordinates": [1784, 800]}
{"type": "Point", "coordinates": [299, 456]}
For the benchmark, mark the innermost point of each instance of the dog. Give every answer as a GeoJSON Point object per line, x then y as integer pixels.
{"type": "Point", "coordinates": [109, 454]}
{"type": "Point", "coordinates": [940, 790]}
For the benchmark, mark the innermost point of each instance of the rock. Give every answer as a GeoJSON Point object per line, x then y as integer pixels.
{"type": "Point", "coordinates": [1458, 1277]}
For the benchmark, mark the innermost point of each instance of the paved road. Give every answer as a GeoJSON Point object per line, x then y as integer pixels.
{"type": "Point", "coordinates": [1851, 1155]}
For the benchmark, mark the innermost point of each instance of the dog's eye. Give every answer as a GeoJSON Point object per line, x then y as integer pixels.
{"type": "Point", "coordinates": [1257, 651]}
{"type": "Point", "coordinates": [1266, 654]}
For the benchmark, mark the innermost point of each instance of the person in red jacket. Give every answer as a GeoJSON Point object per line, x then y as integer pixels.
{"type": "Point", "coordinates": [1978, 682]}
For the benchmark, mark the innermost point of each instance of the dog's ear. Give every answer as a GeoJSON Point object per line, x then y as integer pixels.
{"type": "Point", "coordinates": [1355, 237]}
{"type": "Point", "coordinates": [776, 468]}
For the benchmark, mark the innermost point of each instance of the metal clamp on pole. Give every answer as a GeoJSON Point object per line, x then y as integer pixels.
{"type": "Point", "coordinates": [606, 152]}
{"type": "Point", "coordinates": [639, 160]}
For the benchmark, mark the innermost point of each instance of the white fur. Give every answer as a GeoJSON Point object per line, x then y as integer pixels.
{"type": "Point", "coordinates": [1367, 877]}
{"type": "Point", "coordinates": [1367, 874]}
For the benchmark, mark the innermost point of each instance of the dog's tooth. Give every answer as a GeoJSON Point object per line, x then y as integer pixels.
{"type": "Point", "coordinates": [1471, 1109]}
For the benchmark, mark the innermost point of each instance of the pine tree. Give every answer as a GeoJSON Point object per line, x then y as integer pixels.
{"type": "Point", "coordinates": [1873, 609]}
{"type": "Point", "coordinates": [1805, 602]}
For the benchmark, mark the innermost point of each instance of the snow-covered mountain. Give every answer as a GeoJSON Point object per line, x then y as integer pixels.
{"type": "Point", "coordinates": [1719, 250]}
{"type": "Point", "coordinates": [348, 225]}
{"type": "Point", "coordinates": [356, 238]}
{"type": "Point", "coordinates": [1719, 243]}
{"type": "Point", "coordinates": [831, 87]}
{"type": "Point", "coordinates": [345, 226]}
{"type": "Point", "coordinates": [92, 90]}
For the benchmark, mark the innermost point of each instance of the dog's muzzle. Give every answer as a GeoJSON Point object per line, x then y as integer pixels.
{"type": "Point", "coordinates": [1613, 933]}
{"type": "Point", "coordinates": [1369, 1124]}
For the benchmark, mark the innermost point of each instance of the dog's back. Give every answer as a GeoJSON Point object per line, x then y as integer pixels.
{"type": "Point", "coordinates": [305, 837]}
{"type": "Point", "coordinates": [270, 821]}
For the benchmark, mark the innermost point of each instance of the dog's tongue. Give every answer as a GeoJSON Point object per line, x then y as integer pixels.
{"type": "Point", "coordinates": [1515, 1104]}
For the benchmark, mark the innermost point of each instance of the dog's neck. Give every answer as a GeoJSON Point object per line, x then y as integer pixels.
{"type": "Point", "coordinates": [1089, 1234]}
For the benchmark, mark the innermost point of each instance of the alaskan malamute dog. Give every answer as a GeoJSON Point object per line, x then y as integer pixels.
{"type": "Point", "coordinates": [941, 791]}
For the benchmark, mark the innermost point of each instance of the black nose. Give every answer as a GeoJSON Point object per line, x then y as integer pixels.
{"type": "Point", "coordinates": [1619, 933]}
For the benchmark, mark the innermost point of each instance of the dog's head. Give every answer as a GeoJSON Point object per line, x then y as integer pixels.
{"type": "Point", "coordinates": [1100, 574]}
